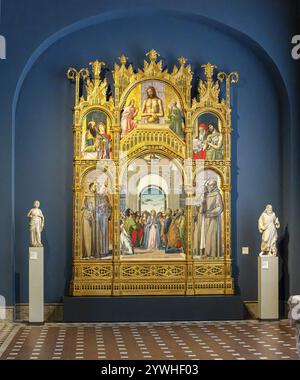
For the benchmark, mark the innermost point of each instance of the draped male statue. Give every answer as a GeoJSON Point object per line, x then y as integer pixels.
{"type": "Point", "coordinates": [268, 224]}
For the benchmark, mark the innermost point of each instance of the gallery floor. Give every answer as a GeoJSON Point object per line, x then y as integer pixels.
{"type": "Point", "coordinates": [232, 340]}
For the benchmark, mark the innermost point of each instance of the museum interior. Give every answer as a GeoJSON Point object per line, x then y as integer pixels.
{"type": "Point", "coordinates": [150, 180]}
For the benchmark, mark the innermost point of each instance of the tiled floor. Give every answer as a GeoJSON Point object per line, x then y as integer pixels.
{"type": "Point", "coordinates": [236, 340]}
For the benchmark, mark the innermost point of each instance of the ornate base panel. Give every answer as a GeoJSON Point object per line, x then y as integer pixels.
{"type": "Point", "coordinates": [151, 278]}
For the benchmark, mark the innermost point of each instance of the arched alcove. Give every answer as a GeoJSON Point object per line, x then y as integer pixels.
{"type": "Point", "coordinates": [43, 121]}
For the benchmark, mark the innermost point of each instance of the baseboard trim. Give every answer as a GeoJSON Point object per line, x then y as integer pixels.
{"type": "Point", "coordinates": [20, 313]}
{"type": "Point", "coordinates": [54, 312]}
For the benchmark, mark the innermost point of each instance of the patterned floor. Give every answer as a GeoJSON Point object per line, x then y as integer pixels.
{"type": "Point", "coordinates": [240, 340]}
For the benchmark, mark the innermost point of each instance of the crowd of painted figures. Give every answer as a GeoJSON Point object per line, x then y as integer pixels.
{"type": "Point", "coordinates": [152, 231]}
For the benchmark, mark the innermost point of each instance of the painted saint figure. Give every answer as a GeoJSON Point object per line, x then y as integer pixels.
{"type": "Point", "coordinates": [103, 216]}
{"type": "Point", "coordinates": [89, 224]}
{"type": "Point", "coordinates": [151, 239]}
{"type": "Point", "coordinates": [127, 120]}
{"type": "Point", "coordinates": [176, 119]}
{"type": "Point", "coordinates": [213, 144]}
{"type": "Point", "coordinates": [97, 140]}
{"type": "Point", "coordinates": [152, 108]}
{"type": "Point", "coordinates": [208, 242]}
{"type": "Point", "coordinates": [96, 214]}
{"type": "Point", "coordinates": [268, 224]}
{"type": "Point", "coordinates": [103, 143]}
{"type": "Point", "coordinates": [90, 136]}
{"type": "Point", "coordinates": [198, 143]}
{"type": "Point", "coordinates": [36, 225]}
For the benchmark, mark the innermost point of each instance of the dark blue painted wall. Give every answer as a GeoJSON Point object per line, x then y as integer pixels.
{"type": "Point", "coordinates": [36, 117]}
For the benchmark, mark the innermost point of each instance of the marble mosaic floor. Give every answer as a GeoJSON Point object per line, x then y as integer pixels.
{"type": "Point", "coordinates": [234, 340]}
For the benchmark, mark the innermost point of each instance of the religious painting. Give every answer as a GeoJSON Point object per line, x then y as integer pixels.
{"type": "Point", "coordinates": [153, 103]}
{"type": "Point", "coordinates": [208, 216]}
{"type": "Point", "coordinates": [137, 229]}
{"type": "Point", "coordinates": [207, 138]}
{"type": "Point", "coordinates": [96, 211]}
{"type": "Point", "coordinates": [96, 136]}
{"type": "Point", "coordinates": [152, 209]}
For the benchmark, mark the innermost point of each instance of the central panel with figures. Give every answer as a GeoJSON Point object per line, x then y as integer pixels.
{"type": "Point", "coordinates": [152, 181]}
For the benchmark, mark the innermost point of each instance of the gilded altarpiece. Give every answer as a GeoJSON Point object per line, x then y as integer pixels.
{"type": "Point", "coordinates": [152, 180]}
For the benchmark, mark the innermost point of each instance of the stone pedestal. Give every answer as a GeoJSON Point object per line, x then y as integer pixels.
{"type": "Point", "coordinates": [268, 283]}
{"type": "Point", "coordinates": [36, 285]}
{"type": "Point", "coordinates": [294, 315]}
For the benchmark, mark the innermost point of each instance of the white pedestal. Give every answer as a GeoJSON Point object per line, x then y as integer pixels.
{"type": "Point", "coordinates": [268, 297]}
{"type": "Point", "coordinates": [36, 284]}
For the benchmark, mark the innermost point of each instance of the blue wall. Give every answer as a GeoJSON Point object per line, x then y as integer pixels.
{"type": "Point", "coordinates": [36, 132]}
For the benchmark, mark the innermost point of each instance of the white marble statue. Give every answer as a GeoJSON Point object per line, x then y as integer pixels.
{"type": "Point", "coordinates": [294, 316]}
{"type": "Point", "coordinates": [268, 224]}
{"type": "Point", "coordinates": [36, 225]}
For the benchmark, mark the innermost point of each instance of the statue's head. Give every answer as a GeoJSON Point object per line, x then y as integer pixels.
{"type": "Point", "coordinates": [269, 209]}
{"type": "Point", "coordinates": [151, 92]}
{"type": "Point", "coordinates": [36, 204]}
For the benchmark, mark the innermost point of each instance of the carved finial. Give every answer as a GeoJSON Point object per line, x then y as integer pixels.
{"type": "Point", "coordinates": [182, 61]}
{"type": "Point", "coordinates": [209, 70]}
{"type": "Point", "coordinates": [152, 54]}
{"type": "Point", "coordinates": [97, 66]}
{"type": "Point", "coordinates": [229, 79]}
{"type": "Point", "coordinates": [123, 59]}
{"type": "Point", "coordinates": [72, 73]}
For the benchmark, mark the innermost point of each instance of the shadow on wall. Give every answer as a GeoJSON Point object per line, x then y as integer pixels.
{"type": "Point", "coordinates": [284, 277]}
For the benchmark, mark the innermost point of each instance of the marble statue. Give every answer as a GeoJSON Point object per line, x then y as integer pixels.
{"type": "Point", "coordinates": [36, 225]}
{"type": "Point", "coordinates": [294, 316]}
{"type": "Point", "coordinates": [268, 224]}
